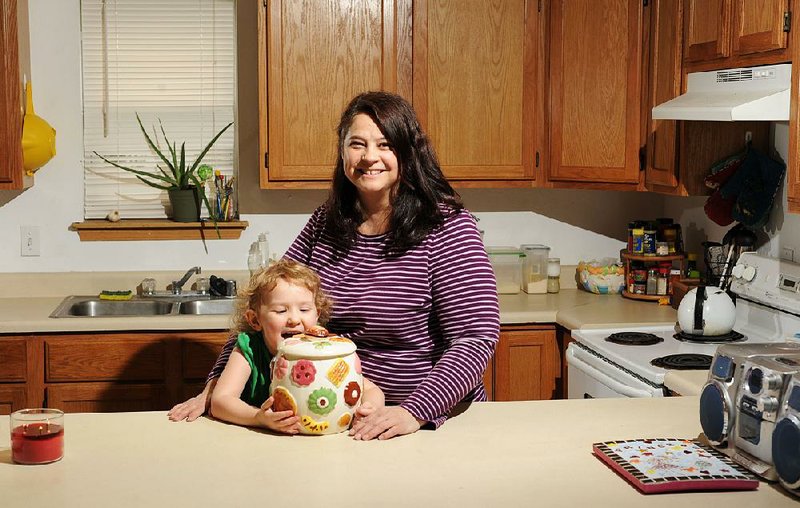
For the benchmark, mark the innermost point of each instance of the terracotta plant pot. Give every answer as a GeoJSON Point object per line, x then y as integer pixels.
{"type": "Point", "coordinates": [185, 204]}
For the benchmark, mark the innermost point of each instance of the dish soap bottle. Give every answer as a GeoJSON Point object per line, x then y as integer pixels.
{"type": "Point", "coordinates": [263, 248]}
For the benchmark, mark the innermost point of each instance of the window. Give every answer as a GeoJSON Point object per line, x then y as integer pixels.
{"type": "Point", "coordinates": [167, 60]}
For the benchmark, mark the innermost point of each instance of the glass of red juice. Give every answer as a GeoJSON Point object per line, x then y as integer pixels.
{"type": "Point", "coordinates": [37, 436]}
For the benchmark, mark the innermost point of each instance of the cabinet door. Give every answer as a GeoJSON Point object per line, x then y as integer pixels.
{"type": "Point", "coordinates": [12, 398]}
{"type": "Point", "coordinates": [661, 171]}
{"type": "Point", "coordinates": [706, 29]}
{"type": "Point", "coordinates": [476, 81]}
{"type": "Point", "coordinates": [106, 397]}
{"type": "Point", "coordinates": [107, 357]}
{"type": "Point", "coordinates": [595, 91]}
{"type": "Point", "coordinates": [11, 172]}
{"type": "Point", "coordinates": [526, 364]}
{"type": "Point", "coordinates": [488, 380]}
{"type": "Point", "coordinates": [314, 56]}
{"type": "Point", "coordinates": [758, 26]}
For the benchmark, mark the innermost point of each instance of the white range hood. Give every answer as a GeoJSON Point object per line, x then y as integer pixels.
{"type": "Point", "coordinates": [748, 93]}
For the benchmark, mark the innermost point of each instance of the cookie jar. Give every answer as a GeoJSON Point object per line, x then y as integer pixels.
{"type": "Point", "coordinates": [319, 378]}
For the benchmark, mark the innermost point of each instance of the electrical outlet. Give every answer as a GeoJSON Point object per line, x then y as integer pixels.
{"type": "Point", "coordinates": [787, 253]}
{"type": "Point", "coordinates": [29, 240]}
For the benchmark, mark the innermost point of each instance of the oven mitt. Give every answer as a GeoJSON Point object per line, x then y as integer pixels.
{"type": "Point", "coordinates": [754, 185]}
{"type": "Point", "coordinates": [720, 209]}
{"type": "Point", "coordinates": [723, 170]}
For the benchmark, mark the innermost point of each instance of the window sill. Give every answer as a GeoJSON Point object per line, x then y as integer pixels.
{"type": "Point", "coordinates": [99, 230]}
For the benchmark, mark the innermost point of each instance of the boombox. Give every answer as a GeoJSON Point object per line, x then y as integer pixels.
{"type": "Point", "coordinates": [740, 401]}
{"type": "Point", "coordinates": [786, 437]}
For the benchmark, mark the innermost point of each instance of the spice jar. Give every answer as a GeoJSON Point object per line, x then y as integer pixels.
{"type": "Point", "coordinates": [553, 275]}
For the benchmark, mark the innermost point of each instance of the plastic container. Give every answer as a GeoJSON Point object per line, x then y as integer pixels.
{"type": "Point", "coordinates": [507, 266]}
{"type": "Point", "coordinates": [534, 268]}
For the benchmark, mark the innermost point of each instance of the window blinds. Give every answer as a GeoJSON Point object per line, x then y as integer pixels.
{"type": "Point", "coordinates": [172, 60]}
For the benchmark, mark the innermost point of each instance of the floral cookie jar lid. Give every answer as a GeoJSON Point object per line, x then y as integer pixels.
{"type": "Point", "coordinates": [317, 375]}
{"type": "Point", "coordinates": [316, 343]}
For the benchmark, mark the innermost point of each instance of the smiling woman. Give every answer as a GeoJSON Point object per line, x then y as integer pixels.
{"type": "Point", "coordinates": [406, 268]}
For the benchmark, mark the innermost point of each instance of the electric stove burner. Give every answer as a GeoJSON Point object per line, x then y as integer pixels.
{"type": "Point", "coordinates": [634, 338]}
{"type": "Point", "coordinates": [731, 336]}
{"type": "Point", "coordinates": [683, 361]}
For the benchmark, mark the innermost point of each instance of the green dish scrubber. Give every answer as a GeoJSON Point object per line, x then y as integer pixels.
{"type": "Point", "coordinates": [116, 295]}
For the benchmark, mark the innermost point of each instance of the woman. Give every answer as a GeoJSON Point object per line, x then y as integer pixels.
{"type": "Point", "coordinates": [405, 266]}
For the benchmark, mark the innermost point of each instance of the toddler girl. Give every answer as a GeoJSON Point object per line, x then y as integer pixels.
{"type": "Point", "coordinates": [282, 300]}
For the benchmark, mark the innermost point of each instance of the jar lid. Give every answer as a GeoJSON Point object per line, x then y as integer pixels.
{"type": "Point", "coordinates": [309, 346]}
{"type": "Point", "coordinates": [504, 251]}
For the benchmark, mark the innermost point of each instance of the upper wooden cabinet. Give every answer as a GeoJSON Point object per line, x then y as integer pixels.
{"type": "Point", "coordinates": [734, 33]}
{"type": "Point", "coordinates": [477, 86]}
{"type": "Point", "coordinates": [13, 30]}
{"type": "Point", "coordinates": [595, 92]}
{"type": "Point", "coordinates": [313, 58]}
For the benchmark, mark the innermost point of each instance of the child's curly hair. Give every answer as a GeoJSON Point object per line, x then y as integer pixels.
{"type": "Point", "coordinates": [264, 281]}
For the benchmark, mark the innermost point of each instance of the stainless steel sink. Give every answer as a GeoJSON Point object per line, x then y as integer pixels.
{"type": "Point", "coordinates": [103, 308]}
{"type": "Point", "coordinates": [91, 306]}
{"type": "Point", "coordinates": [204, 307]}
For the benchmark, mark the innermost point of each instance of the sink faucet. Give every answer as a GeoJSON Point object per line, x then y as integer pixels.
{"type": "Point", "coordinates": [177, 285]}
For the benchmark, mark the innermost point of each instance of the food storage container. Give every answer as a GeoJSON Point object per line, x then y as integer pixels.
{"type": "Point", "coordinates": [319, 378]}
{"type": "Point", "coordinates": [534, 268]}
{"type": "Point", "coordinates": [507, 265]}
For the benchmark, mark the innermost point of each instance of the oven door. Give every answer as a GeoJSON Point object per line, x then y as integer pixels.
{"type": "Point", "coordinates": [592, 377]}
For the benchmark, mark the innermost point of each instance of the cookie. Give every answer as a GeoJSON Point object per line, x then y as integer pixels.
{"type": "Point", "coordinates": [352, 393]}
{"type": "Point", "coordinates": [322, 401]}
{"type": "Point", "coordinates": [313, 426]}
{"type": "Point", "coordinates": [303, 373]}
{"type": "Point", "coordinates": [344, 420]}
{"type": "Point", "coordinates": [283, 400]}
{"type": "Point", "coordinates": [338, 372]}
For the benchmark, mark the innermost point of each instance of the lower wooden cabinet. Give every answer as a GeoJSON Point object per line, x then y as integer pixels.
{"type": "Point", "coordinates": [526, 364]}
{"type": "Point", "coordinates": [105, 372]}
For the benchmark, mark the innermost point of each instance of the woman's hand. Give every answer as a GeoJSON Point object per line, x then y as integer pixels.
{"type": "Point", "coordinates": [193, 408]}
{"type": "Point", "coordinates": [281, 421]}
{"type": "Point", "coordinates": [382, 422]}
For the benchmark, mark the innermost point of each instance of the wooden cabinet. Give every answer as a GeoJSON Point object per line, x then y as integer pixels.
{"type": "Point", "coordinates": [13, 21]}
{"type": "Point", "coordinates": [595, 92]}
{"type": "Point", "coordinates": [678, 155]}
{"type": "Point", "coordinates": [13, 374]}
{"type": "Point", "coordinates": [735, 33]}
{"type": "Point", "coordinates": [313, 58]}
{"type": "Point", "coordinates": [526, 364]}
{"type": "Point", "coordinates": [102, 372]}
{"type": "Point", "coordinates": [477, 86]}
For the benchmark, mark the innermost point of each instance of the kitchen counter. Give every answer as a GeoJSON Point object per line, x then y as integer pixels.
{"type": "Point", "coordinates": [493, 454]}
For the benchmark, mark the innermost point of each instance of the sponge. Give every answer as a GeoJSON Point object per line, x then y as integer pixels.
{"type": "Point", "coordinates": [116, 295]}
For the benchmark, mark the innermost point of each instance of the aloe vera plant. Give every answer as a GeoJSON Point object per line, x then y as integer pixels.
{"type": "Point", "coordinates": [178, 174]}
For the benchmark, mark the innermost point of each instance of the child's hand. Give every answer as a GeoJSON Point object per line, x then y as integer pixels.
{"type": "Point", "coordinates": [281, 421]}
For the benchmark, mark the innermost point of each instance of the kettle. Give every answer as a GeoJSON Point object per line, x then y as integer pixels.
{"type": "Point", "coordinates": [706, 311]}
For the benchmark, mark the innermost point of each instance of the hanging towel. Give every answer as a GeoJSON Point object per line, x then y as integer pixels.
{"type": "Point", "coordinates": [754, 187]}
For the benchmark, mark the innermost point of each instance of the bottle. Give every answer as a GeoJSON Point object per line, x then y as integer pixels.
{"type": "Point", "coordinates": [553, 275]}
{"type": "Point", "coordinates": [652, 282]}
{"type": "Point", "coordinates": [691, 266]}
{"type": "Point", "coordinates": [263, 248]}
{"type": "Point", "coordinates": [649, 240]}
{"type": "Point", "coordinates": [662, 281]}
{"type": "Point", "coordinates": [254, 258]}
{"type": "Point", "coordinates": [638, 239]}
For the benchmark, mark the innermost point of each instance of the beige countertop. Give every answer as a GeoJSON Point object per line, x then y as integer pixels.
{"type": "Point", "coordinates": [493, 454]}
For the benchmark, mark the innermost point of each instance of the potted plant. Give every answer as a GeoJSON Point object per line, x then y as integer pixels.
{"type": "Point", "coordinates": [181, 181]}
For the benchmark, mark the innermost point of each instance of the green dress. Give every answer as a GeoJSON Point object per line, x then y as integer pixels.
{"type": "Point", "coordinates": [254, 350]}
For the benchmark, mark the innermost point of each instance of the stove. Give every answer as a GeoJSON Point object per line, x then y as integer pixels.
{"type": "Point", "coordinates": [628, 362]}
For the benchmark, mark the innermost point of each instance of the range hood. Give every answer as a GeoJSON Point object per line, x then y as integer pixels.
{"type": "Point", "coordinates": [748, 93]}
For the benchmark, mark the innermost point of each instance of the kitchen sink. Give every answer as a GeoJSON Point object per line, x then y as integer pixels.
{"type": "Point", "coordinates": [91, 306]}
{"type": "Point", "coordinates": [215, 306]}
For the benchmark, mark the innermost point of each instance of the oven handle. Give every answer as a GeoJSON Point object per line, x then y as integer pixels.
{"type": "Point", "coordinates": [612, 383]}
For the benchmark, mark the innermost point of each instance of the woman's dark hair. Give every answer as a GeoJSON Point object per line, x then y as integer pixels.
{"type": "Point", "coordinates": [421, 188]}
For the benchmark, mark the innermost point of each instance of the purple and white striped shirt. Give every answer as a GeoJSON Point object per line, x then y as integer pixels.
{"type": "Point", "coordinates": [426, 322]}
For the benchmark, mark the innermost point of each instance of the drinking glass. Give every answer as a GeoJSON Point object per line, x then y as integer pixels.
{"type": "Point", "coordinates": [37, 436]}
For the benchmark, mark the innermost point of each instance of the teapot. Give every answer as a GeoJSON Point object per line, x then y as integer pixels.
{"type": "Point", "coordinates": [706, 311]}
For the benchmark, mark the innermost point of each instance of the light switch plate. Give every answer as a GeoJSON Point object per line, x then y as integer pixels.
{"type": "Point", "coordinates": [29, 240]}
{"type": "Point", "coordinates": [787, 253]}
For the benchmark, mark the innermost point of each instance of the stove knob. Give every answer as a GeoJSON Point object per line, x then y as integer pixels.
{"type": "Point", "coordinates": [749, 273]}
{"type": "Point", "coordinates": [767, 404]}
{"type": "Point", "coordinates": [737, 271]}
